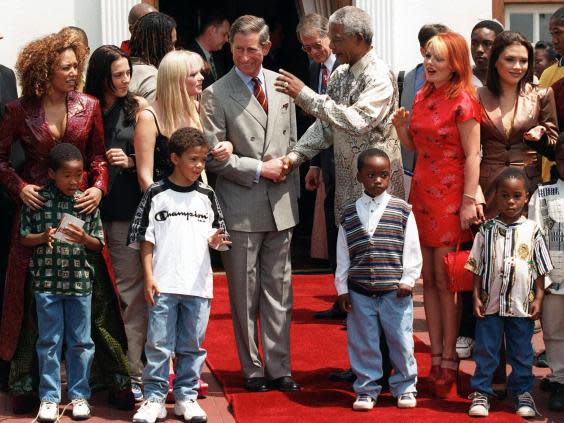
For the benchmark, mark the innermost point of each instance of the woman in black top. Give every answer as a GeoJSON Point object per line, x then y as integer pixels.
{"type": "Point", "coordinates": [109, 74]}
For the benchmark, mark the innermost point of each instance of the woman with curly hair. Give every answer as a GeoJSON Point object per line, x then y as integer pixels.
{"type": "Point", "coordinates": [49, 112]}
{"type": "Point", "coordinates": [153, 36]}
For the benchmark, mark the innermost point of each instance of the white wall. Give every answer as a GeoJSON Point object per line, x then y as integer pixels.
{"type": "Point", "coordinates": [401, 49]}
{"type": "Point", "coordinates": [22, 21]}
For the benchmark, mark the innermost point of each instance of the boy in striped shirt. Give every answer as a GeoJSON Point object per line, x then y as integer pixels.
{"type": "Point", "coordinates": [378, 261]}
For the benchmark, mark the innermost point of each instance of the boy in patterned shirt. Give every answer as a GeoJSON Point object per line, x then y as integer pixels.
{"type": "Point", "coordinates": [61, 279]}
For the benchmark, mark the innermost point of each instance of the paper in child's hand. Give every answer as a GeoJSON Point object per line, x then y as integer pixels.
{"type": "Point", "coordinates": [66, 220]}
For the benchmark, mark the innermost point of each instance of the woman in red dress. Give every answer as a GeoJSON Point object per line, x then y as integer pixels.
{"type": "Point", "coordinates": [445, 133]}
{"type": "Point", "coordinates": [50, 111]}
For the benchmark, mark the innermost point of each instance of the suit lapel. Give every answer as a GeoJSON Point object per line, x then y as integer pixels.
{"type": "Point", "coordinates": [241, 94]}
{"type": "Point", "coordinates": [274, 99]}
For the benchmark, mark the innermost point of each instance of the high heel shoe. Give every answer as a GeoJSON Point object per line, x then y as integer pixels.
{"type": "Point", "coordinates": [435, 372]}
{"type": "Point", "coordinates": [447, 384]}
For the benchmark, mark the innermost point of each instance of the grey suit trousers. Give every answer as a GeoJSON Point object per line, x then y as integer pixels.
{"type": "Point", "coordinates": [260, 289]}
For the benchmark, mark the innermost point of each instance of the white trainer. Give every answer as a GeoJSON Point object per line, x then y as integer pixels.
{"type": "Point", "coordinates": [364, 402]}
{"type": "Point", "coordinates": [150, 412]}
{"type": "Point", "coordinates": [190, 410]}
{"type": "Point", "coordinates": [80, 409]}
{"type": "Point", "coordinates": [48, 412]}
{"type": "Point", "coordinates": [480, 405]}
{"type": "Point", "coordinates": [464, 347]}
{"type": "Point", "coordinates": [526, 405]}
{"type": "Point", "coordinates": [407, 400]}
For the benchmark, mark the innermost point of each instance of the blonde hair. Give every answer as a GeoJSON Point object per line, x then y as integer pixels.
{"type": "Point", "coordinates": [174, 101]}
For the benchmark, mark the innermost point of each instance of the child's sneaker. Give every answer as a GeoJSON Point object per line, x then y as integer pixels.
{"type": "Point", "coordinates": [191, 411]}
{"type": "Point", "coordinates": [150, 412]}
{"type": "Point", "coordinates": [480, 405]}
{"type": "Point", "coordinates": [526, 405]}
{"type": "Point", "coordinates": [48, 412]}
{"type": "Point", "coordinates": [364, 402]}
{"type": "Point", "coordinates": [137, 392]}
{"type": "Point", "coordinates": [407, 400]}
{"type": "Point", "coordinates": [80, 409]}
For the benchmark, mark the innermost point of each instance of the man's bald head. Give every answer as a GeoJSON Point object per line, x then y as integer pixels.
{"type": "Point", "coordinates": [138, 11]}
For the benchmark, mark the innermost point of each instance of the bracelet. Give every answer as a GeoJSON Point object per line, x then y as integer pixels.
{"type": "Point", "coordinates": [471, 197]}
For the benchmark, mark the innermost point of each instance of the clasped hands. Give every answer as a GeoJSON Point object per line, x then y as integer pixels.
{"type": "Point", "coordinates": [277, 169]}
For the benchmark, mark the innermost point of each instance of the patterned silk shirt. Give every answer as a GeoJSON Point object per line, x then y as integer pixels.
{"type": "Point", "coordinates": [63, 269]}
{"type": "Point", "coordinates": [353, 116]}
{"type": "Point", "coordinates": [509, 258]}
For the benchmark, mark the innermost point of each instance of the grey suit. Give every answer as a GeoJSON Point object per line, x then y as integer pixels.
{"type": "Point", "coordinates": [259, 216]}
{"type": "Point", "coordinates": [406, 101]}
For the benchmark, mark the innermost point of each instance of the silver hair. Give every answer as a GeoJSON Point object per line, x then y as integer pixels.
{"type": "Point", "coordinates": [312, 22]}
{"type": "Point", "coordinates": [249, 24]}
{"type": "Point", "coordinates": [355, 22]}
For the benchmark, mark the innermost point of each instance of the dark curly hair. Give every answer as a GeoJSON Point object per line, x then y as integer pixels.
{"type": "Point", "coordinates": [99, 78]}
{"type": "Point", "coordinates": [151, 38]}
{"type": "Point", "coordinates": [37, 61]}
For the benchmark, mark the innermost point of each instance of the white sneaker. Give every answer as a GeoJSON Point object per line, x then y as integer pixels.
{"type": "Point", "coordinates": [48, 412]}
{"type": "Point", "coordinates": [407, 400]}
{"type": "Point", "coordinates": [526, 405]}
{"type": "Point", "coordinates": [364, 402]}
{"type": "Point", "coordinates": [80, 409]}
{"type": "Point", "coordinates": [480, 405]}
{"type": "Point", "coordinates": [191, 411]}
{"type": "Point", "coordinates": [464, 346]}
{"type": "Point", "coordinates": [150, 412]}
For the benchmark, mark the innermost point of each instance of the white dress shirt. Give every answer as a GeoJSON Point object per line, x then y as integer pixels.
{"type": "Point", "coordinates": [370, 210]}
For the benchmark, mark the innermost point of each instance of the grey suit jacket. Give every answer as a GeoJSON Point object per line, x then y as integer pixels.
{"type": "Point", "coordinates": [406, 101]}
{"type": "Point", "coordinates": [230, 112]}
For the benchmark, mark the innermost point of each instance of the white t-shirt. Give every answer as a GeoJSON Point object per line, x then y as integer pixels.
{"type": "Point", "coordinates": [178, 221]}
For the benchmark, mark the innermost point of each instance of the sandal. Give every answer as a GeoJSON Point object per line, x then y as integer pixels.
{"type": "Point", "coordinates": [447, 384]}
{"type": "Point", "coordinates": [435, 372]}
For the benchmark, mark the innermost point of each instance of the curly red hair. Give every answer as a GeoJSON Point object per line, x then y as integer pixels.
{"type": "Point", "coordinates": [37, 61]}
{"type": "Point", "coordinates": [453, 48]}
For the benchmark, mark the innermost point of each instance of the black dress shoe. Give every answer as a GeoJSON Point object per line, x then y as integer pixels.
{"type": "Point", "coordinates": [256, 384]}
{"type": "Point", "coordinates": [556, 400]}
{"type": "Point", "coordinates": [24, 403]}
{"type": "Point", "coordinates": [343, 376]}
{"type": "Point", "coordinates": [284, 384]}
{"type": "Point", "coordinates": [122, 400]}
{"type": "Point", "coordinates": [334, 313]}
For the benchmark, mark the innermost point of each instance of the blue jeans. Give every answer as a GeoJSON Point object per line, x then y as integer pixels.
{"type": "Point", "coordinates": [368, 317]}
{"type": "Point", "coordinates": [489, 335]}
{"type": "Point", "coordinates": [63, 317]}
{"type": "Point", "coordinates": [177, 323]}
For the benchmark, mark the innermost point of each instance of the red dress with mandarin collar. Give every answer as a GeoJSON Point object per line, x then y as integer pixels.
{"type": "Point", "coordinates": [24, 119]}
{"type": "Point", "coordinates": [438, 180]}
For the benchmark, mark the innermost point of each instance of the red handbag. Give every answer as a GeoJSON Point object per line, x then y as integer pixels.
{"type": "Point", "coordinates": [459, 279]}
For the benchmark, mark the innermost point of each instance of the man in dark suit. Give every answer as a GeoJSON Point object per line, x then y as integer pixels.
{"type": "Point", "coordinates": [312, 34]}
{"type": "Point", "coordinates": [209, 43]}
{"type": "Point", "coordinates": [8, 92]}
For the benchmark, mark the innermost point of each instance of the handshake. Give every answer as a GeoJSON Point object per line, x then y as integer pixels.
{"type": "Point", "coordinates": [277, 169]}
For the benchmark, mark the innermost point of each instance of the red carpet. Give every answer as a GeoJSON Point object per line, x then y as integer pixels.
{"type": "Point", "coordinates": [317, 349]}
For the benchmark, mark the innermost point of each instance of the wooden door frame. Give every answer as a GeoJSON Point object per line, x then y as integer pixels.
{"type": "Point", "coordinates": [498, 6]}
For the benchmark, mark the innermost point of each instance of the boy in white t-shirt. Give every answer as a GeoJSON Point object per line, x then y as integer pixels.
{"type": "Point", "coordinates": [176, 221]}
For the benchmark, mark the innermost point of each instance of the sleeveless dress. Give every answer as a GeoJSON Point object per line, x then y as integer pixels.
{"type": "Point", "coordinates": [438, 179]}
{"type": "Point", "coordinates": [162, 166]}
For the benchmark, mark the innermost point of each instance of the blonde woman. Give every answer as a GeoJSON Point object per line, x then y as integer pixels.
{"type": "Point", "coordinates": [179, 85]}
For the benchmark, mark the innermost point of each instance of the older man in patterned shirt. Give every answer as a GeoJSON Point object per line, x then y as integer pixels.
{"type": "Point", "coordinates": [355, 114]}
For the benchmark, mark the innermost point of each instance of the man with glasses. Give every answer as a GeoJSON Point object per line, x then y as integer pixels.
{"type": "Point", "coordinates": [312, 34]}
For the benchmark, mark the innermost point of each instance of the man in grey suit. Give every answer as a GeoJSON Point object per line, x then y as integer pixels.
{"type": "Point", "coordinates": [258, 202]}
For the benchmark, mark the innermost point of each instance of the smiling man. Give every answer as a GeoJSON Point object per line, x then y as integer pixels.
{"type": "Point", "coordinates": [355, 114]}
{"type": "Point", "coordinates": [259, 204]}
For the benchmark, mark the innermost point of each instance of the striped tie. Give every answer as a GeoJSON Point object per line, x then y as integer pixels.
{"type": "Point", "coordinates": [260, 95]}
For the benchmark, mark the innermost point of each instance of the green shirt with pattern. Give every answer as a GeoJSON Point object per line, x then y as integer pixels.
{"type": "Point", "coordinates": [64, 268]}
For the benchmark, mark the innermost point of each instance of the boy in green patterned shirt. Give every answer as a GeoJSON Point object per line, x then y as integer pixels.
{"type": "Point", "coordinates": [62, 283]}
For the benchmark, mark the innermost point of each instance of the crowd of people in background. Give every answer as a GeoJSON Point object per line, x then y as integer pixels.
{"type": "Point", "coordinates": [117, 181]}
